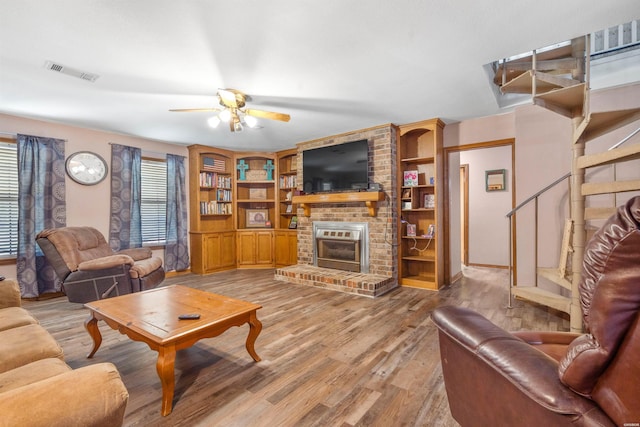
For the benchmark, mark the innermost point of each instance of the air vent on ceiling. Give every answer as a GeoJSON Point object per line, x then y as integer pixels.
{"type": "Point", "coordinates": [49, 65]}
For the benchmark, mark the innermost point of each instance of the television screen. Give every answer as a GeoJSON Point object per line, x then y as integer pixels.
{"type": "Point", "coordinates": [341, 167]}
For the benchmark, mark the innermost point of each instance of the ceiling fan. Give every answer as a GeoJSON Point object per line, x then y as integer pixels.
{"type": "Point", "coordinates": [233, 112]}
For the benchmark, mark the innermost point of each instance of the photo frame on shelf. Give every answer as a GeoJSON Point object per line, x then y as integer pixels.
{"type": "Point", "coordinates": [293, 224]}
{"type": "Point", "coordinates": [406, 193]}
{"type": "Point", "coordinates": [495, 180]}
{"type": "Point", "coordinates": [411, 230]}
{"type": "Point", "coordinates": [429, 201]}
{"type": "Point", "coordinates": [257, 218]}
{"type": "Point", "coordinates": [258, 193]}
{"type": "Point", "coordinates": [410, 178]}
{"type": "Point", "coordinates": [289, 209]}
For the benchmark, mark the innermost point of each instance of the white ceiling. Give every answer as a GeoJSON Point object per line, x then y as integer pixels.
{"type": "Point", "coordinates": [334, 65]}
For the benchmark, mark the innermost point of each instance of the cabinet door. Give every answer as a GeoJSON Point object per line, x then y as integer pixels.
{"type": "Point", "coordinates": [264, 248]}
{"type": "Point", "coordinates": [228, 250]}
{"type": "Point", "coordinates": [286, 248]}
{"type": "Point", "coordinates": [212, 259]}
{"type": "Point", "coordinates": [246, 248]}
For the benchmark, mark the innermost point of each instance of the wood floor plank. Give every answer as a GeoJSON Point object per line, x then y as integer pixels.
{"type": "Point", "coordinates": [328, 358]}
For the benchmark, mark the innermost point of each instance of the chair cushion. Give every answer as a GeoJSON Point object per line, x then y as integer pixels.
{"type": "Point", "coordinates": [25, 344]}
{"type": "Point", "coordinates": [144, 267]}
{"type": "Point", "coordinates": [13, 317]}
{"type": "Point", "coordinates": [610, 298]}
{"type": "Point", "coordinates": [77, 244]}
{"type": "Point", "coordinates": [31, 373]}
{"type": "Point", "coordinates": [9, 293]}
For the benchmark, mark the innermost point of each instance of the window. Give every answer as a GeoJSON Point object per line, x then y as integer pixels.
{"type": "Point", "coordinates": [154, 201]}
{"type": "Point", "coordinates": [8, 200]}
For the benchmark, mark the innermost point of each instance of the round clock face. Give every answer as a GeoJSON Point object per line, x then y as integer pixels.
{"type": "Point", "coordinates": [86, 168]}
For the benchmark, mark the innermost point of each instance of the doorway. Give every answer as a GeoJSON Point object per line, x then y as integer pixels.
{"type": "Point", "coordinates": [464, 215]}
{"type": "Point", "coordinates": [478, 231]}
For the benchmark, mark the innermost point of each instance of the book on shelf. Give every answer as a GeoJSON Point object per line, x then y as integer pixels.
{"type": "Point", "coordinates": [215, 208]}
{"type": "Point", "coordinates": [287, 181]}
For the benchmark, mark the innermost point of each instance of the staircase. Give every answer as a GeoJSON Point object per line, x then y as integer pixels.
{"type": "Point", "coordinates": [558, 80]}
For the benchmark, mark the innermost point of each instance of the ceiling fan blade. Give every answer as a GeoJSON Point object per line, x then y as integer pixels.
{"type": "Point", "coordinates": [190, 110]}
{"type": "Point", "coordinates": [229, 98]}
{"type": "Point", "coordinates": [268, 115]}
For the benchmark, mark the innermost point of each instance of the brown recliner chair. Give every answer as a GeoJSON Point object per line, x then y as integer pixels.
{"type": "Point", "coordinates": [493, 377]}
{"type": "Point", "coordinates": [91, 270]}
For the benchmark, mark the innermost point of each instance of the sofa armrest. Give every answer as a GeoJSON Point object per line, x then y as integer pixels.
{"type": "Point", "coordinates": [90, 396]}
{"type": "Point", "coordinates": [491, 372]}
{"type": "Point", "coordinates": [136, 253]}
{"type": "Point", "coordinates": [105, 262]}
{"type": "Point", "coordinates": [9, 294]}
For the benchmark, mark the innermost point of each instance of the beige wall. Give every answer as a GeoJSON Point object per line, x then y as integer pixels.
{"type": "Point", "coordinates": [86, 205]}
{"type": "Point", "coordinates": [542, 155]}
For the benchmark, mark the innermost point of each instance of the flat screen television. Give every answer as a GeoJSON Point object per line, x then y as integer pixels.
{"type": "Point", "coordinates": [336, 168]}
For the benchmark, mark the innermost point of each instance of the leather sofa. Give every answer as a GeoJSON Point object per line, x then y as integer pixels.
{"type": "Point", "coordinates": [37, 388]}
{"type": "Point", "coordinates": [91, 270]}
{"type": "Point", "coordinates": [493, 377]}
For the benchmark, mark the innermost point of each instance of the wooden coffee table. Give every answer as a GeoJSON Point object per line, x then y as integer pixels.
{"type": "Point", "coordinates": [152, 317]}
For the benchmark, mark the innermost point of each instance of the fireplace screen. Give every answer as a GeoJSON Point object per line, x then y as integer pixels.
{"type": "Point", "coordinates": [340, 246]}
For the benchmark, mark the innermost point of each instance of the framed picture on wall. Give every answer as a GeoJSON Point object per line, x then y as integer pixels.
{"type": "Point", "coordinates": [257, 218]}
{"type": "Point", "coordinates": [495, 180]}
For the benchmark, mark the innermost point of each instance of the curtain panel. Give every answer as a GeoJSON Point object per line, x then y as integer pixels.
{"type": "Point", "coordinates": [41, 205]}
{"type": "Point", "coordinates": [176, 252]}
{"type": "Point", "coordinates": [125, 225]}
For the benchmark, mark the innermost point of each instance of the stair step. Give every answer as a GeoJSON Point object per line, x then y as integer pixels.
{"type": "Point", "coordinates": [592, 188]}
{"type": "Point", "coordinates": [544, 83]}
{"type": "Point", "coordinates": [567, 101]}
{"type": "Point", "coordinates": [554, 275]}
{"type": "Point", "coordinates": [598, 213]}
{"type": "Point", "coordinates": [544, 297]}
{"type": "Point", "coordinates": [619, 154]}
{"type": "Point", "coordinates": [599, 124]}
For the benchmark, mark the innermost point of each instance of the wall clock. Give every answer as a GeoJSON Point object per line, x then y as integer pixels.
{"type": "Point", "coordinates": [86, 168]}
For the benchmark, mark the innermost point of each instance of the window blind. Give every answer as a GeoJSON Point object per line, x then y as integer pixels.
{"type": "Point", "coordinates": [153, 201]}
{"type": "Point", "coordinates": [8, 200]}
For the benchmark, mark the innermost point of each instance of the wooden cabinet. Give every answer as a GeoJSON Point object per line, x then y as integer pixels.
{"type": "Point", "coordinates": [286, 247]}
{"type": "Point", "coordinates": [287, 185]}
{"type": "Point", "coordinates": [420, 173]}
{"type": "Point", "coordinates": [255, 248]}
{"type": "Point", "coordinates": [212, 252]}
{"type": "Point", "coordinates": [237, 202]}
{"type": "Point", "coordinates": [212, 211]}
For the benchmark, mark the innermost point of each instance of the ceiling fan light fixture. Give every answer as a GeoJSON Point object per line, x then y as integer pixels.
{"type": "Point", "coordinates": [237, 126]}
{"type": "Point", "coordinates": [225, 115]}
{"type": "Point", "coordinates": [250, 121]}
{"type": "Point", "coordinates": [214, 121]}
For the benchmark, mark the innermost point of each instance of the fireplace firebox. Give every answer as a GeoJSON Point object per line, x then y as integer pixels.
{"type": "Point", "coordinates": [341, 245]}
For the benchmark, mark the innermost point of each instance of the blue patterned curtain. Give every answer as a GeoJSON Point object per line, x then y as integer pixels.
{"type": "Point", "coordinates": [125, 227]}
{"type": "Point", "coordinates": [176, 252]}
{"type": "Point", "coordinates": [41, 205]}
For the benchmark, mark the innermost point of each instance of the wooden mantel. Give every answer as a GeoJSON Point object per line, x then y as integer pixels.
{"type": "Point", "coordinates": [370, 198]}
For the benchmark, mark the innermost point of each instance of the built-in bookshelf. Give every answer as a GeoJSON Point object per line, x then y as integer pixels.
{"type": "Point", "coordinates": [420, 172]}
{"type": "Point", "coordinates": [211, 202]}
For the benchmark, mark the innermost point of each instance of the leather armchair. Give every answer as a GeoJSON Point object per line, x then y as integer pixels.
{"type": "Point", "coordinates": [91, 270]}
{"type": "Point", "coordinates": [493, 377]}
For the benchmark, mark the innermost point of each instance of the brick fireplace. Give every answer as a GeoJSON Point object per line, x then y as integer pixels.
{"type": "Point", "coordinates": [381, 252]}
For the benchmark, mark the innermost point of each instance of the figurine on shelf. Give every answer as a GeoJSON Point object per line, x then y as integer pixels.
{"type": "Point", "coordinates": [288, 196]}
{"type": "Point", "coordinates": [242, 167]}
{"type": "Point", "coordinates": [269, 167]}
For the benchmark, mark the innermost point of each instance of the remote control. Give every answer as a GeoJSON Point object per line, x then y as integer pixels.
{"type": "Point", "coordinates": [189, 316]}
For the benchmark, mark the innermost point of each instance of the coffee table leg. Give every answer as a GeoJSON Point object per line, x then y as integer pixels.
{"type": "Point", "coordinates": [255, 326]}
{"type": "Point", "coordinates": [91, 325]}
{"type": "Point", "coordinates": [165, 367]}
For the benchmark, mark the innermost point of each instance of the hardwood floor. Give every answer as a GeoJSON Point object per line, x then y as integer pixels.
{"type": "Point", "coordinates": [328, 358]}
